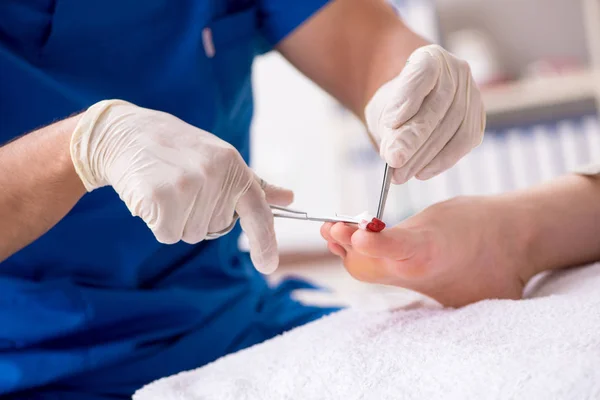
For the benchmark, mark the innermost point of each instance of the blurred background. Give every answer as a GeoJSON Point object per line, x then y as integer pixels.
{"type": "Point", "coordinates": [537, 64]}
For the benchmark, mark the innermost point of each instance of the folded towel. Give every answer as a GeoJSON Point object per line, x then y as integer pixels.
{"type": "Point", "coordinates": [545, 347]}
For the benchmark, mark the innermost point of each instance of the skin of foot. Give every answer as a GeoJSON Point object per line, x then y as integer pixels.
{"type": "Point", "coordinates": [457, 252]}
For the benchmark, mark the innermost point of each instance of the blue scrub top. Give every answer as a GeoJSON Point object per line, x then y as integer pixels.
{"type": "Point", "coordinates": [96, 307]}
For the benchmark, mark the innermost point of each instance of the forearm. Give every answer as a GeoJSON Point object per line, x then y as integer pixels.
{"type": "Point", "coordinates": [564, 219]}
{"type": "Point", "coordinates": [351, 48]}
{"type": "Point", "coordinates": [38, 185]}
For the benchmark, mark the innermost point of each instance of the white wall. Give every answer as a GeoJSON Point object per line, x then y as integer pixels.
{"type": "Point", "coordinates": [294, 144]}
{"type": "Point", "coordinates": [523, 30]}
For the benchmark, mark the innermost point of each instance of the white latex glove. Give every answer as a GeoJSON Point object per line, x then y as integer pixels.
{"type": "Point", "coordinates": [428, 117]}
{"type": "Point", "coordinates": [182, 181]}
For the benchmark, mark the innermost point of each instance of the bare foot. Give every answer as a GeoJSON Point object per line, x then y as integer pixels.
{"type": "Point", "coordinates": [458, 252]}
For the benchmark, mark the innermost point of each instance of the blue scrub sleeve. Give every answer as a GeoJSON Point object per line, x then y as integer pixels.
{"type": "Point", "coordinates": [277, 18]}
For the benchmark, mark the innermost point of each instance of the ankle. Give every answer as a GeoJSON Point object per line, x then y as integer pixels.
{"type": "Point", "coordinates": [523, 230]}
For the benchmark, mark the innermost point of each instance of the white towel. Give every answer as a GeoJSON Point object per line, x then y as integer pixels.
{"type": "Point", "coordinates": [545, 347]}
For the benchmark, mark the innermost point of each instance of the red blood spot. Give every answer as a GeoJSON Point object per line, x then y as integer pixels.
{"type": "Point", "coordinates": [376, 225]}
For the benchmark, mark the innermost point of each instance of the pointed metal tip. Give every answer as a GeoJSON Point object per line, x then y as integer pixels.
{"type": "Point", "coordinates": [385, 188]}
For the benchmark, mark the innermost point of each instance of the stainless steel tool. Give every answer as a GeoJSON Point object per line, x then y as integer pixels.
{"type": "Point", "coordinates": [385, 189]}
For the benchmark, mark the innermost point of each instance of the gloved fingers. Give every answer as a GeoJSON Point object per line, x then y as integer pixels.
{"type": "Point", "coordinates": [199, 222]}
{"type": "Point", "coordinates": [442, 134]}
{"type": "Point", "coordinates": [375, 108]}
{"type": "Point", "coordinates": [416, 81]}
{"type": "Point", "coordinates": [457, 148]}
{"type": "Point", "coordinates": [400, 145]}
{"type": "Point", "coordinates": [256, 219]}
{"type": "Point", "coordinates": [274, 194]}
{"type": "Point", "coordinates": [164, 207]}
{"type": "Point", "coordinates": [477, 119]}
{"type": "Point", "coordinates": [468, 136]}
{"type": "Point", "coordinates": [400, 99]}
{"type": "Point", "coordinates": [165, 222]}
{"type": "Point", "coordinates": [223, 217]}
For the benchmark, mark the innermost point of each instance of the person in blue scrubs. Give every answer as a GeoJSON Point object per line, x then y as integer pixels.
{"type": "Point", "coordinates": [125, 132]}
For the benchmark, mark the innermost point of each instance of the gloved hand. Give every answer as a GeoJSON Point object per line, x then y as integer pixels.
{"type": "Point", "coordinates": [428, 117]}
{"type": "Point", "coordinates": [182, 181]}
